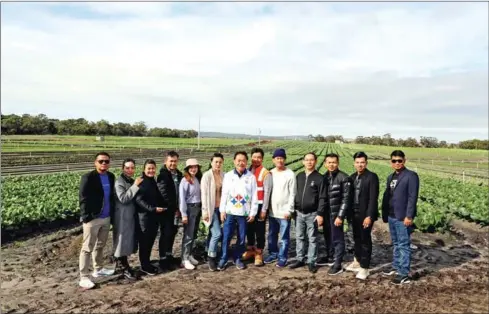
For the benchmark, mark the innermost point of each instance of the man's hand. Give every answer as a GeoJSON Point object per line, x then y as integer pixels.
{"type": "Point", "coordinates": [177, 213]}
{"type": "Point", "coordinates": [205, 218]}
{"type": "Point", "coordinates": [159, 209]}
{"type": "Point", "coordinates": [185, 220]}
{"type": "Point", "coordinates": [338, 222]}
{"type": "Point", "coordinates": [223, 217]}
{"type": "Point", "coordinates": [263, 215]}
{"type": "Point", "coordinates": [138, 181]}
{"type": "Point", "coordinates": [320, 220]}
{"type": "Point", "coordinates": [367, 222]}
{"type": "Point", "coordinates": [251, 219]}
{"type": "Point", "coordinates": [408, 221]}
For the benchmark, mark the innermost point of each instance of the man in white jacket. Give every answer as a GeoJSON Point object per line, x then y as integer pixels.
{"type": "Point", "coordinates": [239, 205]}
{"type": "Point", "coordinates": [281, 209]}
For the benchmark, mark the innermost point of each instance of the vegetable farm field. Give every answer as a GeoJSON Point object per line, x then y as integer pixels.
{"type": "Point", "coordinates": [40, 222]}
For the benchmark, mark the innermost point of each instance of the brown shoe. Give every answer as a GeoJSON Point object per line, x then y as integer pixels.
{"type": "Point", "coordinates": [259, 257]}
{"type": "Point", "coordinates": [249, 254]}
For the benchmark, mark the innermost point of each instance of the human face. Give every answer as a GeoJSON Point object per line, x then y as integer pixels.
{"type": "Point", "coordinates": [193, 170]}
{"type": "Point", "coordinates": [216, 163]}
{"type": "Point", "coordinates": [397, 162]}
{"type": "Point", "coordinates": [150, 170]}
{"type": "Point", "coordinates": [256, 160]}
{"type": "Point", "coordinates": [102, 163]}
{"type": "Point", "coordinates": [279, 162]}
{"type": "Point", "coordinates": [360, 164]}
{"type": "Point", "coordinates": [309, 162]}
{"type": "Point", "coordinates": [129, 169]}
{"type": "Point", "coordinates": [240, 162]}
{"type": "Point", "coordinates": [171, 163]}
{"type": "Point", "coordinates": [331, 164]}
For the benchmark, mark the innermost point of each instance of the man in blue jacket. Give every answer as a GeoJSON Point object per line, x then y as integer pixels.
{"type": "Point", "coordinates": [399, 210]}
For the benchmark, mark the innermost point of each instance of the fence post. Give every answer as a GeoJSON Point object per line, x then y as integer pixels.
{"type": "Point", "coordinates": [463, 177]}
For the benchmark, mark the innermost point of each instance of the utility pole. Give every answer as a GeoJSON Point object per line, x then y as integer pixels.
{"type": "Point", "coordinates": [198, 135]}
{"type": "Point", "coordinates": [259, 137]}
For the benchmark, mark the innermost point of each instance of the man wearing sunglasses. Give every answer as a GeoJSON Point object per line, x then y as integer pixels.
{"type": "Point", "coordinates": [399, 210]}
{"type": "Point", "coordinates": [97, 202]}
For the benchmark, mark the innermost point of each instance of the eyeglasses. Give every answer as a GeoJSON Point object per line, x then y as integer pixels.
{"type": "Point", "coordinates": [397, 161]}
{"type": "Point", "coordinates": [103, 161]}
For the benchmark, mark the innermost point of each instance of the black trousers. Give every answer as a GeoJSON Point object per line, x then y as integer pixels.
{"type": "Point", "coordinates": [363, 241]}
{"type": "Point", "coordinates": [166, 221]}
{"type": "Point", "coordinates": [327, 233]}
{"type": "Point", "coordinates": [148, 229]}
{"type": "Point", "coordinates": [255, 232]}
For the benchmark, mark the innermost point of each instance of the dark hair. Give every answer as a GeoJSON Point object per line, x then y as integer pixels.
{"type": "Point", "coordinates": [215, 155]}
{"type": "Point", "coordinates": [360, 155]}
{"type": "Point", "coordinates": [241, 153]}
{"type": "Point", "coordinates": [257, 150]}
{"type": "Point", "coordinates": [102, 154]}
{"type": "Point", "coordinates": [172, 153]}
{"type": "Point", "coordinates": [332, 155]}
{"type": "Point", "coordinates": [128, 160]}
{"type": "Point", "coordinates": [149, 162]}
{"type": "Point", "coordinates": [311, 153]}
{"type": "Point", "coordinates": [398, 153]}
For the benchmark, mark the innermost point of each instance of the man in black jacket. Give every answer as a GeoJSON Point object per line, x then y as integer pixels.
{"type": "Point", "coordinates": [334, 205]}
{"type": "Point", "coordinates": [97, 203]}
{"type": "Point", "coordinates": [365, 194]}
{"type": "Point", "coordinates": [306, 205]}
{"type": "Point", "coordinates": [168, 182]}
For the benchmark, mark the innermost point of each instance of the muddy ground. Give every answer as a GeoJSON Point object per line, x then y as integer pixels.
{"type": "Point", "coordinates": [40, 275]}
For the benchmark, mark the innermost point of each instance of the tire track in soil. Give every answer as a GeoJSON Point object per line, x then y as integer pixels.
{"type": "Point", "coordinates": [41, 274]}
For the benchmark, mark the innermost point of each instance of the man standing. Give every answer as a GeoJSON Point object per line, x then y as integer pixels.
{"type": "Point", "coordinates": [281, 209]}
{"type": "Point", "coordinates": [239, 205]}
{"type": "Point", "coordinates": [365, 212]}
{"type": "Point", "coordinates": [306, 204]}
{"type": "Point", "coordinates": [97, 203]}
{"type": "Point", "coordinates": [334, 205]}
{"type": "Point", "coordinates": [256, 230]}
{"type": "Point", "coordinates": [399, 210]}
{"type": "Point", "coordinates": [168, 182]}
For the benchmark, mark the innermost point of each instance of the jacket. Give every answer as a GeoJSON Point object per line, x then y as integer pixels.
{"type": "Point", "coordinates": [264, 186]}
{"type": "Point", "coordinates": [239, 195]}
{"type": "Point", "coordinates": [149, 196]}
{"type": "Point", "coordinates": [124, 225]}
{"type": "Point", "coordinates": [307, 195]}
{"type": "Point", "coordinates": [335, 195]}
{"type": "Point", "coordinates": [405, 196]}
{"type": "Point", "coordinates": [208, 190]}
{"type": "Point", "coordinates": [166, 185]}
{"type": "Point", "coordinates": [283, 193]}
{"type": "Point", "coordinates": [91, 196]}
{"type": "Point", "coordinates": [368, 198]}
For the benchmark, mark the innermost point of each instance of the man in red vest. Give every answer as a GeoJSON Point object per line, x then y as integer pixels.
{"type": "Point", "coordinates": [256, 230]}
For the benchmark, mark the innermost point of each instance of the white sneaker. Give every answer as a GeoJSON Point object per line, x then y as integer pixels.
{"type": "Point", "coordinates": [354, 266]}
{"type": "Point", "coordinates": [103, 272]}
{"type": "Point", "coordinates": [188, 265]}
{"type": "Point", "coordinates": [193, 260]}
{"type": "Point", "coordinates": [86, 283]}
{"type": "Point", "coordinates": [363, 273]}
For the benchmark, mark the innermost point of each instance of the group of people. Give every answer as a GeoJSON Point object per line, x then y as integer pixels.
{"type": "Point", "coordinates": [241, 201]}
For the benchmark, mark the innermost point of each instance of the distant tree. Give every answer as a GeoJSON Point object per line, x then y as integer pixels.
{"type": "Point", "coordinates": [429, 142]}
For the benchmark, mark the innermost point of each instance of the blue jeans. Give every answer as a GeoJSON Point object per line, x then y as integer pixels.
{"type": "Point", "coordinates": [306, 229]}
{"type": "Point", "coordinates": [276, 226]}
{"type": "Point", "coordinates": [214, 235]}
{"type": "Point", "coordinates": [229, 224]}
{"type": "Point", "coordinates": [401, 240]}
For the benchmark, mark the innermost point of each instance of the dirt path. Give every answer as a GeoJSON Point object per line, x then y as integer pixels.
{"type": "Point", "coordinates": [40, 275]}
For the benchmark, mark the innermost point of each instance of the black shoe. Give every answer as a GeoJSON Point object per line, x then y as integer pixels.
{"type": "Point", "coordinates": [335, 270]}
{"type": "Point", "coordinates": [212, 263]}
{"type": "Point", "coordinates": [297, 264]}
{"type": "Point", "coordinates": [401, 280]}
{"type": "Point", "coordinates": [312, 268]}
{"type": "Point", "coordinates": [389, 272]}
{"type": "Point", "coordinates": [325, 261]}
{"type": "Point", "coordinates": [171, 263]}
{"type": "Point", "coordinates": [149, 270]}
{"type": "Point", "coordinates": [130, 274]}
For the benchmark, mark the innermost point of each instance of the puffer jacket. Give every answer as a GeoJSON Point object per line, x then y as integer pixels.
{"type": "Point", "coordinates": [335, 195]}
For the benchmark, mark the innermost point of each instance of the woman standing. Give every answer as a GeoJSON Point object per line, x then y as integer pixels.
{"type": "Point", "coordinates": [190, 208]}
{"type": "Point", "coordinates": [211, 198]}
{"type": "Point", "coordinates": [124, 224]}
{"type": "Point", "coordinates": [150, 203]}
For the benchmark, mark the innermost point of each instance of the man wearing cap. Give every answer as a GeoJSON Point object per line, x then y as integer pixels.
{"type": "Point", "coordinates": [281, 209]}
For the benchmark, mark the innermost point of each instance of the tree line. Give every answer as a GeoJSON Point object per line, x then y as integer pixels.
{"type": "Point", "coordinates": [42, 125]}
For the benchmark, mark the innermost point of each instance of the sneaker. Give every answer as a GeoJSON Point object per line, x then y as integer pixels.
{"type": "Point", "coordinates": [270, 259]}
{"type": "Point", "coordinates": [413, 246]}
{"type": "Point", "coordinates": [130, 274]}
{"type": "Point", "coordinates": [362, 274]}
{"type": "Point", "coordinates": [171, 263]}
{"type": "Point", "coordinates": [86, 283]}
{"type": "Point", "coordinates": [193, 260]}
{"type": "Point", "coordinates": [103, 272]}
{"type": "Point", "coordinates": [312, 268]}
{"type": "Point", "coordinates": [239, 264]}
{"type": "Point", "coordinates": [354, 266]}
{"type": "Point", "coordinates": [149, 270]}
{"type": "Point", "coordinates": [163, 264]}
{"type": "Point", "coordinates": [212, 263]}
{"type": "Point", "coordinates": [401, 280]}
{"type": "Point", "coordinates": [335, 270]}
{"type": "Point", "coordinates": [297, 264]}
{"type": "Point", "coordinates": [188, 265]}
{"type": "Point", "coordinates": [222, 265]}
{"type": "Point", "coordinates": [325, 261]}
{"type": "Point", "coordinates": [281, 264]}
{"type": "Point", "coordinates": [389, 272]}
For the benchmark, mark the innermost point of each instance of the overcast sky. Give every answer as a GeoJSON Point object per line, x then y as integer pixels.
{"type": "Point", "coordinates": [410, 69]}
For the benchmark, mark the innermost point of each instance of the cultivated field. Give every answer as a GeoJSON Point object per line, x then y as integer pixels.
{"type": "Point", "coordinates": [39, 273]}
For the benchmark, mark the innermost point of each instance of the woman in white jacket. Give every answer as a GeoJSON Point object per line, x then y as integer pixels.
{"type": "Point", "coordinates": [211, 187]}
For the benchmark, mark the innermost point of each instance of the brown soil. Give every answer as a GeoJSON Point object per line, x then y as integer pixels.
{"type": "Point", "coordinates": [41, 274]}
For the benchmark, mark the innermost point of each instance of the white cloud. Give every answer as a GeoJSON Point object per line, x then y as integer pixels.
{"type": "Point", "coordinates": [407, 69]}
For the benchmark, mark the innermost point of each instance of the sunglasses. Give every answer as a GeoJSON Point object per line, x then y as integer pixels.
{"type": "Point", "coordinates": [103, 161]}
{"type": "Point", "coordinates": [397, 161]}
